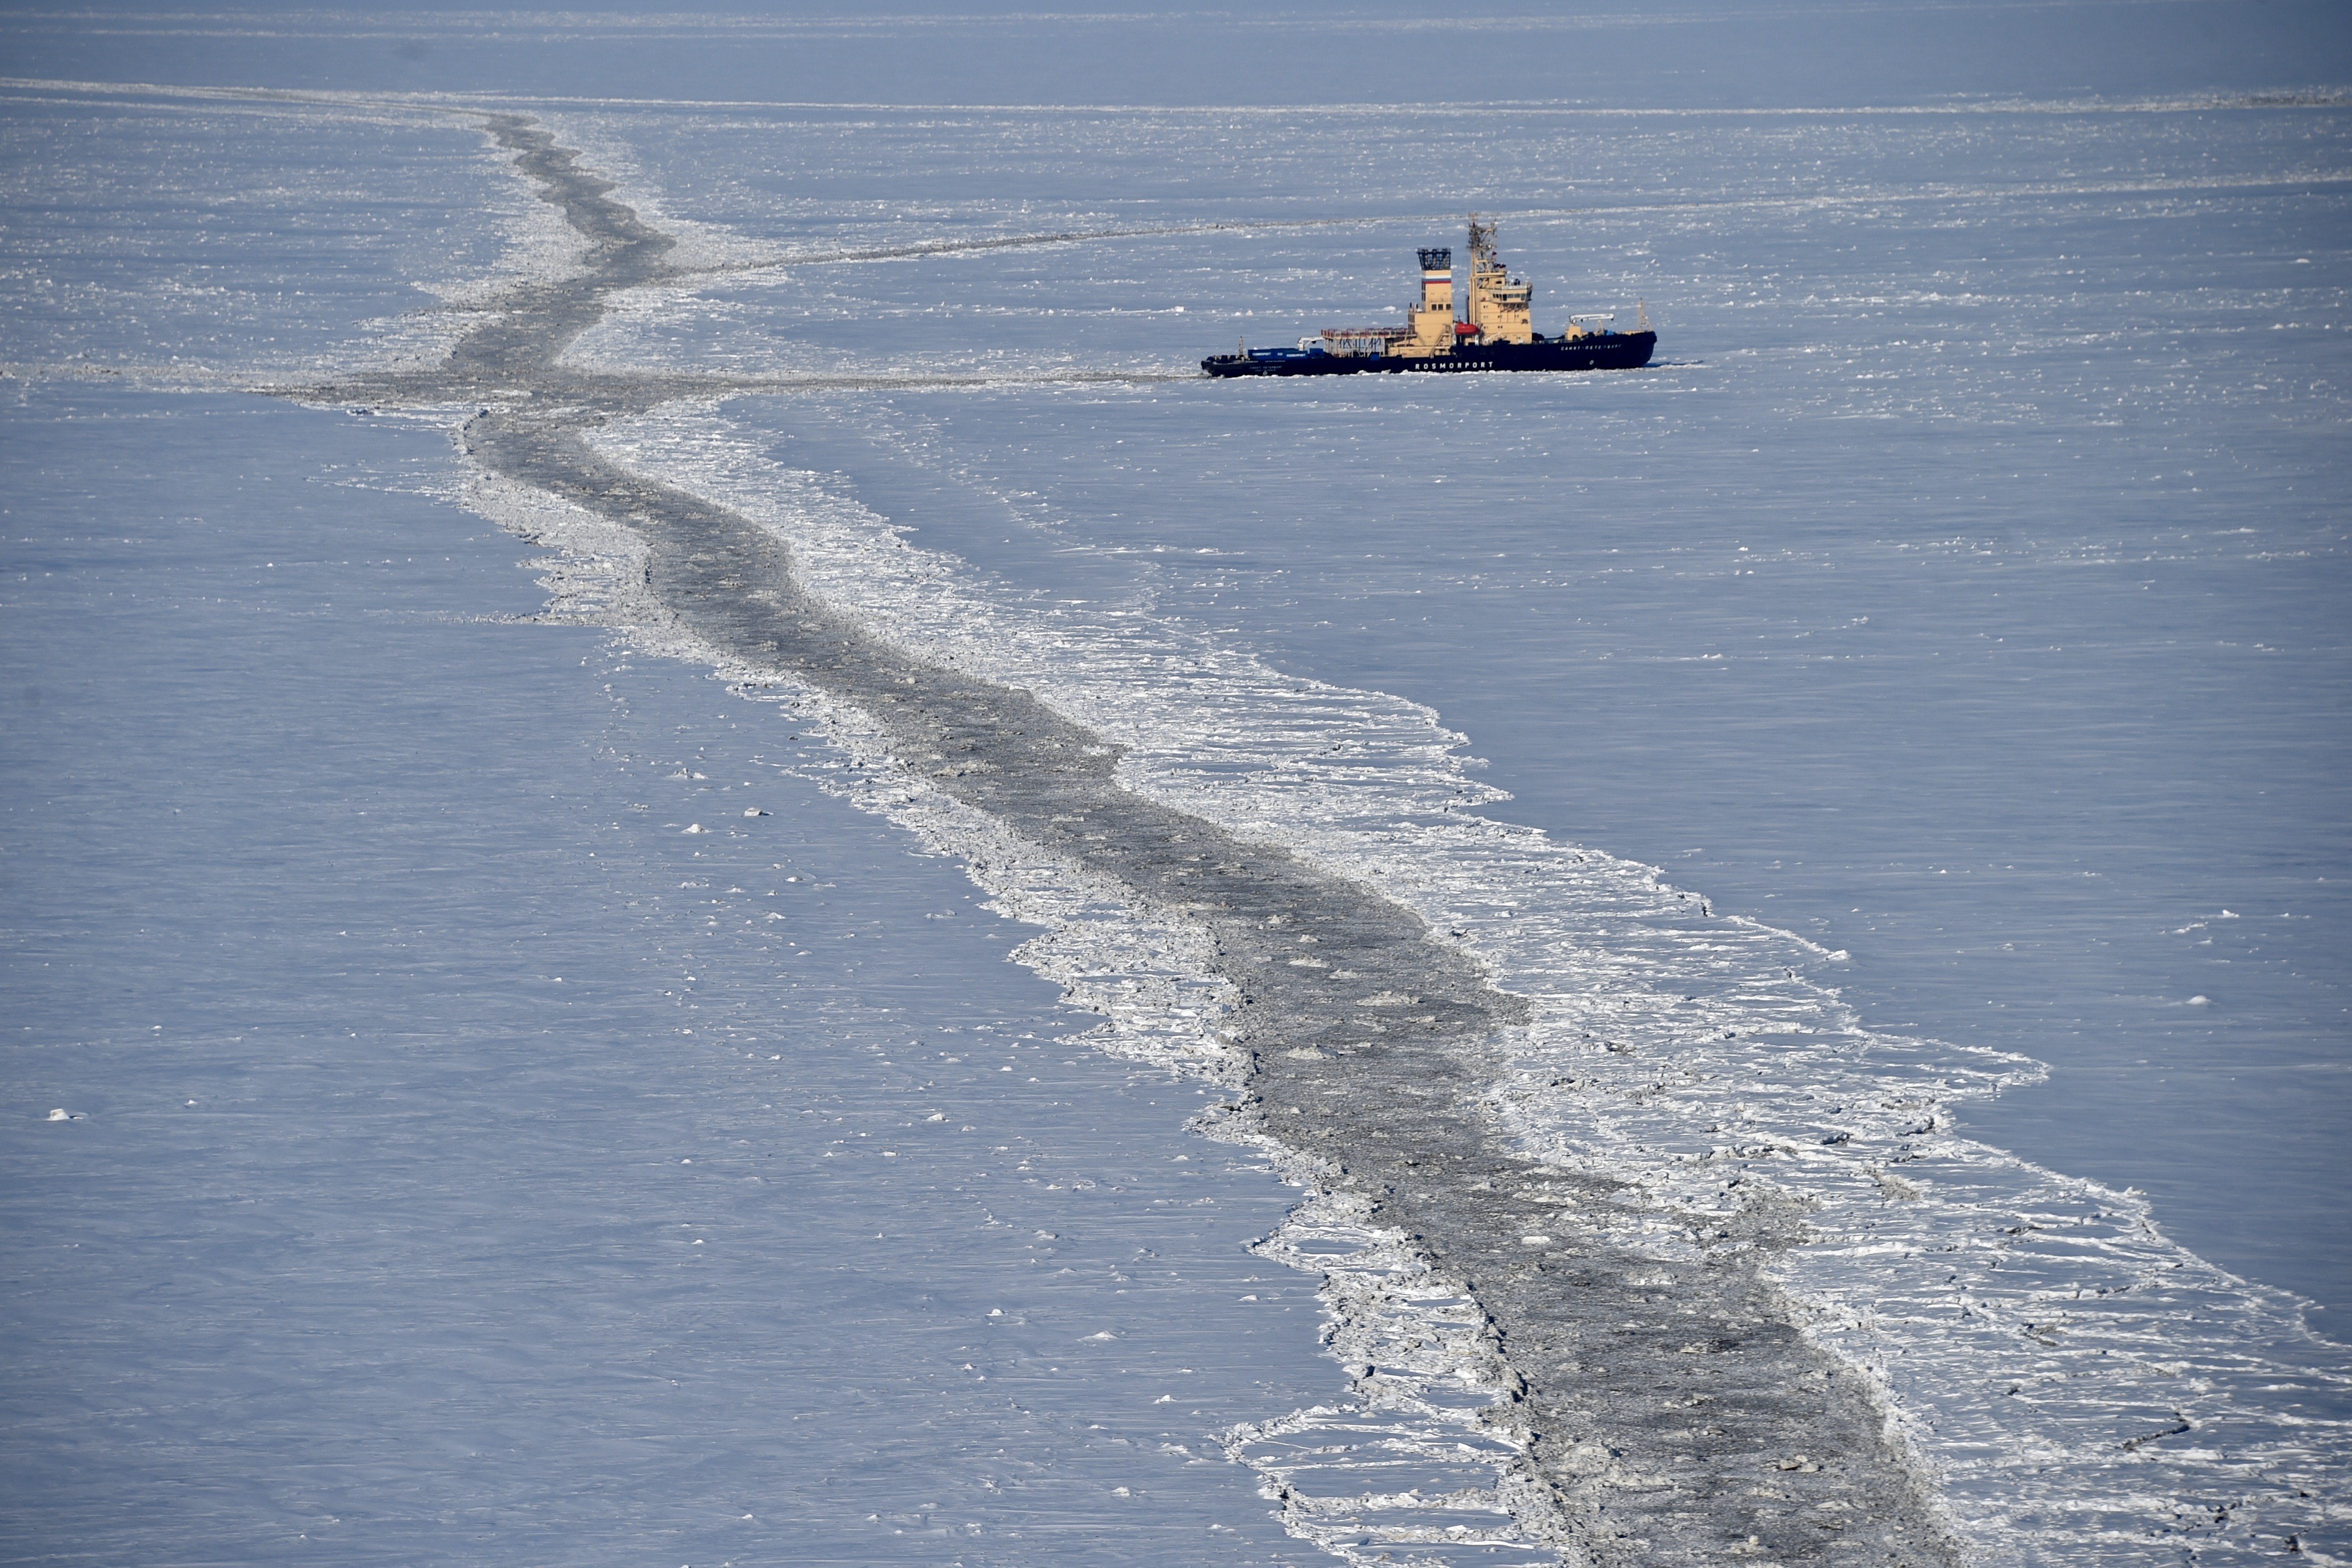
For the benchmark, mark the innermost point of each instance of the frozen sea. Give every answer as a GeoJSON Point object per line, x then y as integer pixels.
{"type": "Point", "coordinates": [526, 1099]}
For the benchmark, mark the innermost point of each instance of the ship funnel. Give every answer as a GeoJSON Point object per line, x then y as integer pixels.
{"type": "Point", "coordinates": [1437, 280]}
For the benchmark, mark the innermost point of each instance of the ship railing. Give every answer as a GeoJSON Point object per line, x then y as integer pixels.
{"type": "Point", "coordinates": [1354, 342]}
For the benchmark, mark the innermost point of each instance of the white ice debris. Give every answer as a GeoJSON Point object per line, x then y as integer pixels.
{"type": "Point", "coordinates": [1695, 1064]}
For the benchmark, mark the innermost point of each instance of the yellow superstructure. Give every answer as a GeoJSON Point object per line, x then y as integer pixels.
{"type": "Point", "coordinates": [1432, 331]}
{"type": "Point", "coordinates": [1500, 305]}
{"type": "Point", "coordinates": [1496, 330]}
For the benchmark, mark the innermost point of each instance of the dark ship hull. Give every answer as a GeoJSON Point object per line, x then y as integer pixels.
{"type": "Point", "coordinates": [1598, 350]}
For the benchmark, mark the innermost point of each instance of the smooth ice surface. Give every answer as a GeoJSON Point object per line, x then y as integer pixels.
{"type": "Point", "coordinates": [1572, 558]}
{"type": "Point", "coordinates": [469, 1161]}
{"type": "Point", "coordinates": [426, 1144]}
{"type": "Point", "coordinates": [1703, 53]}
{"type": "Point", "coordinates": [1960, 593]}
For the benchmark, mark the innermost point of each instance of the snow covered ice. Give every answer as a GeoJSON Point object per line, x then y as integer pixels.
{"type": "Point", "coordinates": [485, 1087]}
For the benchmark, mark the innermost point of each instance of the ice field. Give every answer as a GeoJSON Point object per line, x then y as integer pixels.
{"type": "Point", "coordinates": [490, 1080]}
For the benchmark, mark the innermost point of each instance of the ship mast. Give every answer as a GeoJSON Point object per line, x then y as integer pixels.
{"type": "Point", "coordinates": [1499, 304]}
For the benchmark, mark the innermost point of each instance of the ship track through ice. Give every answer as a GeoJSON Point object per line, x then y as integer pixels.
{"type": "Point", "coordinates": [1395, 1130]}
